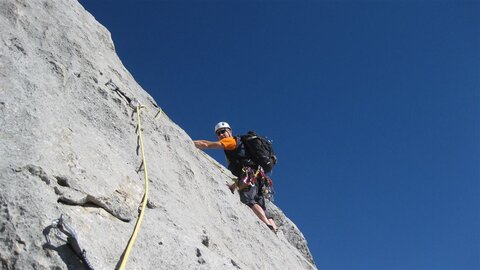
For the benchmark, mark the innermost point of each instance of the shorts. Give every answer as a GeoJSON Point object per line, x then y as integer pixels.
{"type": "Point", "coordinates": [251, 196]}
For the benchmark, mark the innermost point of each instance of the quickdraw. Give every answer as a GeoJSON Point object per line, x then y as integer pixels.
{"type": "Point", "coordinates": [67, 234]}
{"type": "Point", "coordinates": [266, 184]}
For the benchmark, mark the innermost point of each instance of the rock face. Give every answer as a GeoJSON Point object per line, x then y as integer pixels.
{"type": "Point", "coordinates": [69, 146]}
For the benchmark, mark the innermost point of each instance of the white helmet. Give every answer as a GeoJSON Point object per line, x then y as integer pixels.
{"type": "Point", "coordinates": [221, 125]}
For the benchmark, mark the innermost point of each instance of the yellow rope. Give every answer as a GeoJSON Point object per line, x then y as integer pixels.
{"type": "Point", "coordinates": [145, 196]}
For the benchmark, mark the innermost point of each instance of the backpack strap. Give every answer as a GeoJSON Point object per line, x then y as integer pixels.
{"type": "Point", "coordinates": [238, 158]}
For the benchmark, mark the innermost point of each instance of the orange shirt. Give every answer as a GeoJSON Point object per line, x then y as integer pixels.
{"type": "Point", "coordinates": [229, 143]}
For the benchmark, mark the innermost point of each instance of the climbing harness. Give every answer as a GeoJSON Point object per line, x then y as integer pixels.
{"type": "Point", "coordinates": [66, 233]}
{"type": "Point", "coordinates": [250, 178]}
{"type": "Point", "coordinates": [126, 253]}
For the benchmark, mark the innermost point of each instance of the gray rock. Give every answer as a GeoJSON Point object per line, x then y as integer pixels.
{"type": "Point", "coordinates": [69, 146]}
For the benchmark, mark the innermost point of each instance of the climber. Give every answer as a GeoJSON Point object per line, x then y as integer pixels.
{"type": "Point", "coordinates": [250, 188]}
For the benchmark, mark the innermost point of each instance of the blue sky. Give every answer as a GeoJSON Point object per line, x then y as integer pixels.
{"type": "Point", "coordinates": [374, 109]}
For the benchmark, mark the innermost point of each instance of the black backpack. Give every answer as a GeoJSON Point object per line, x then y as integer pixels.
{"type": "Point", "coordinates": [260, 150]}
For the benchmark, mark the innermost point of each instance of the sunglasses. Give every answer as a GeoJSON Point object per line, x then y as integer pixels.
{"type": "Point", "coordinates": [220, 132]}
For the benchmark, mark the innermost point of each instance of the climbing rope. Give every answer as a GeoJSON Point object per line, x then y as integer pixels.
{"type": "Point", "coordinates": [145, 196]}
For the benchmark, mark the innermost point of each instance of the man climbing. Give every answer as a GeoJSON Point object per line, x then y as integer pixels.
{"type": "Point", "coordinates": [248, 182]}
